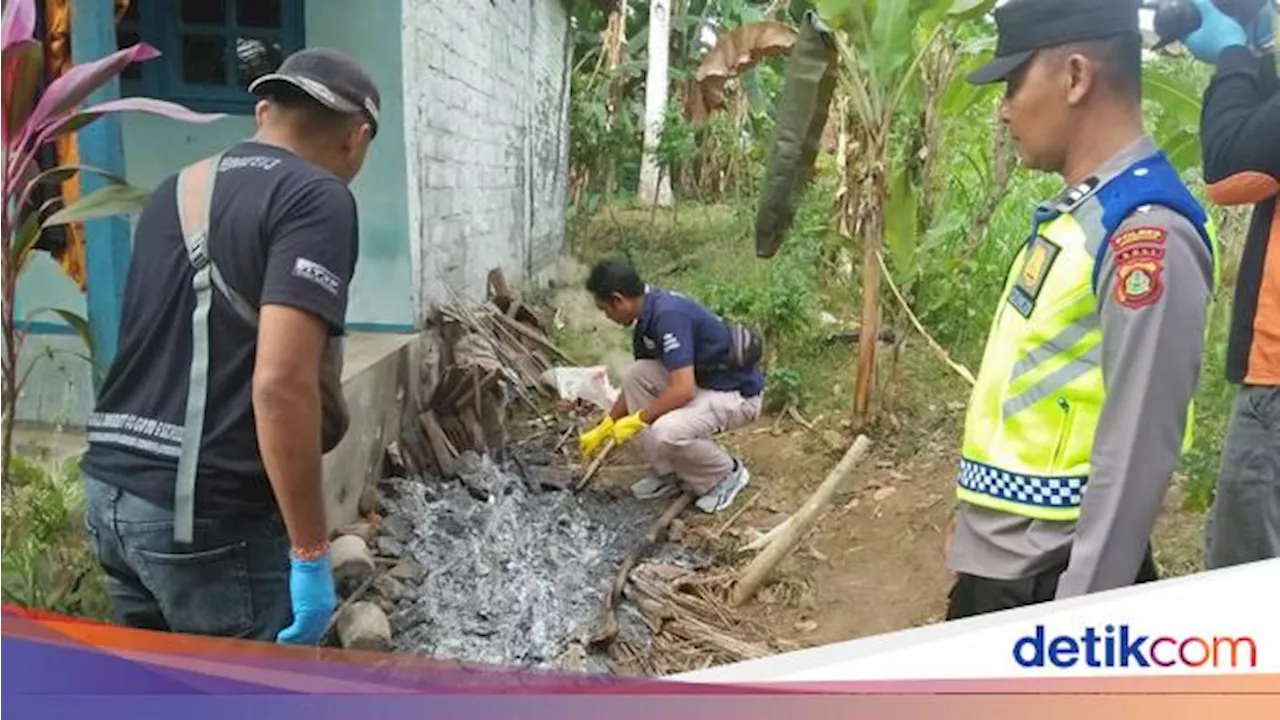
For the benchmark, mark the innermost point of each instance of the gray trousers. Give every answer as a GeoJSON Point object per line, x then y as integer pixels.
{"type": "Point", "coordinates": [1244, 522]}
{"type": "Point", "coordinates": [680, 441]}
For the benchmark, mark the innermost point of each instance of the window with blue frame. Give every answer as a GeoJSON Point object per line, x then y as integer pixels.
{"type": "Point", "coordinates": [210, 49]}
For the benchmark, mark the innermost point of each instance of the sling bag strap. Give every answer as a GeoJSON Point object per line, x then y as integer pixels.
{"type": "Point", "coordinates": [194, 197]}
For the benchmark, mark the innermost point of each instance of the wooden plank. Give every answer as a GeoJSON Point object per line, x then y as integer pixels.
{"type": "Point", "coordinates": [461, 389]}
{"type": "Point", "coordinates": [471, 422]}
{"type": "Point", "coordinates": [458, 436]}
{"type": "Point", "coordinates": [444, 389]}
{"type": "Point", "coordinates": [444, 454]}
{"type": "Point", "coordinates": [498, 284]}
{"type": "Point", "coordinates": [536, 337]}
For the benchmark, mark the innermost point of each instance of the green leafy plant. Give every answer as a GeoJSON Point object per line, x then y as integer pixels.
{"type": "Point", "coordinates": [48, 563]}
{"type": "Point", "coordinates": [884, 47]}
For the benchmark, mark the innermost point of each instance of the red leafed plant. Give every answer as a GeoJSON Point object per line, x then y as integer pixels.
{"type": "Point", "coordinates": [33, 118]}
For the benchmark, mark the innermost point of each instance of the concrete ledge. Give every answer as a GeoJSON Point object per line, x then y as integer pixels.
{"type": "Point", "coordinates": [376, 379]}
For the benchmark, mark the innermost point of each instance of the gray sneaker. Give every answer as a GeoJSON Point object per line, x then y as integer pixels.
{"type": "Point", "coordinates": [653, 487]}
{"type": "Point", "coordinates": [723, 494]}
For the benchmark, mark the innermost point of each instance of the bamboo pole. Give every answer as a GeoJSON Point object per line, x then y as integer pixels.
{"type": "Point", "coordinates": [763, 564]}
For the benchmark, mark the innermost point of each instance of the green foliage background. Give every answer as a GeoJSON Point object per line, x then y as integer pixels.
{"type": "Point", "coordinates": [950, 278]}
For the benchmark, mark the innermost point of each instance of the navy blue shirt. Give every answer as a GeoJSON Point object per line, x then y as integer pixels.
{"type": "Point", "coordinates": [680, 332]}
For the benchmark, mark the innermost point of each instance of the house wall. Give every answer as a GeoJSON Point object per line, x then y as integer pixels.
{"type": "Point", "coordinates": [468, 172]}
{"type": "Point", "coordinates": [380, 294]}
{"type": "Point", "coordinates": [486, 102]}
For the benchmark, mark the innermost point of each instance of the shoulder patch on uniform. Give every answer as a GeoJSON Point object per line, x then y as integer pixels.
{"type": "Point", "coordinates": [1138, 254]}
{"type": "Point", "coordinates": [1143, 235]}
{"type": "Point", "coordinates": [1138, 285]}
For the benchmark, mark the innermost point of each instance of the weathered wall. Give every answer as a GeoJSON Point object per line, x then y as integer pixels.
{"type": "Point", "coordinates": [380, 293]}
{"type": "Point", "coordinates": [376, 380]}
{"type": "Point", "coordinates": [486, 130]}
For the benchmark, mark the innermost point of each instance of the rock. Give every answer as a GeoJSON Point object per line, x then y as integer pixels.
{"type": "Point", "coordinates": [369, 500]}
{"type": "Point", "coordinates": [408, 617]}
{"type": "Point", "coordinates": [834, 439]}
{"type": "Point", "coordinates": [363, 625]}
{"type": "Point", "coordinates": [677, 531]}
{"type": "Point", "coordinates": [398, 527]}
{"type": "Point", "coordinates": [352, 562]}
{"type": "Point", "coordinates": [363, 530]}
{"type": "Point", "coordinates": [408, 569]}
{"type": "Point", "coordinates": [806, 626]}
{"type": "Point", "coordinates": [390, 547]}
{"type": "Point", "coordinates": [387, 606]}
{"type": "Point", "coordinates": [884, 493]}
{"type": "Point", "coordinates": [390, 588]}
{"type": "Point", "coordinates": [574, 657]}
{"type": "Point", "coordinates": [551, 478]}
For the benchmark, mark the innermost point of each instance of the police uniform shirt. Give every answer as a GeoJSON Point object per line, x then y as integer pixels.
{"type": "Point", "coordinates": [1153, 336]}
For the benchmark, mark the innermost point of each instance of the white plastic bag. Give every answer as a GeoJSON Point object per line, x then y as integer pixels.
{"type": "Point", "coordinates": [583, 383]}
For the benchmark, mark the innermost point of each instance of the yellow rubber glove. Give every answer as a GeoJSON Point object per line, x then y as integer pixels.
{"type": "Point", "coordinates": [589, 442]}
{"type": "Point", "coordinates": [627, 427]}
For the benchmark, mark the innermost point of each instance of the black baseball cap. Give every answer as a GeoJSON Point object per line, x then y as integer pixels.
{"type": "Point", "coordinates": [1025, 26]}
{"type": "Point", "coordinates": [332, 78]}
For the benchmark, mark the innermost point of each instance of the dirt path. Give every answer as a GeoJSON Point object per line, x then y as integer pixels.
{"type": "Point", "coordinates": [874, 563]}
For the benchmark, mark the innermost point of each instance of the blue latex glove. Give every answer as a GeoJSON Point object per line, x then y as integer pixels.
{"type": "Point", "coordinates": [314, 600]}
{"type": "Point", "coordinates": [1216, 33]}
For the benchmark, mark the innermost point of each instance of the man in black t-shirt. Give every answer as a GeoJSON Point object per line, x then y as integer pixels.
{"type": "Point", "coordinates": [282, 234]}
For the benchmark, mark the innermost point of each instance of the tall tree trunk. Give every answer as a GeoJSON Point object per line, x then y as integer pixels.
{"type": "Point", "coordinates": [654, 188]}
{"type": "Point", "coordinates": [615, 42]}
{"type": "Point", "coordinates": [872, 231]}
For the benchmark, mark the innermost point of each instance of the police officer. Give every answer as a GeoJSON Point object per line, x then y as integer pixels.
{"type": "Point", "coordinates": [683, 389]}
{"type": "Point", "coordinates": [1082, 402]}
{"type": "Point", "coordinates": [1240, 134]}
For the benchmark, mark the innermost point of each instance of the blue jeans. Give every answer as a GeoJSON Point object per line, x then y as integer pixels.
{"type": "Point", "coordinates": [231, 581]}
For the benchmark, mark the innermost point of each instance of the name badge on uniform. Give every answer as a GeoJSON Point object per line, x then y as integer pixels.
{"type": "Point", "coordinates": [1026, 288]}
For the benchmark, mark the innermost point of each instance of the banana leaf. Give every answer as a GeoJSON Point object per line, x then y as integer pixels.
{"type": "Point", "coordinates": [802, 115]}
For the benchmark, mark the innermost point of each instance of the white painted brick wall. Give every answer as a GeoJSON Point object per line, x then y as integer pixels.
{"type": "Point", "coordinates": [486, 130]}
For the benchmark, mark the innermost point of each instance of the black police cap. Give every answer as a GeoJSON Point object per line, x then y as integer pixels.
{"type": "Point", "coordinates": [1025, 26]}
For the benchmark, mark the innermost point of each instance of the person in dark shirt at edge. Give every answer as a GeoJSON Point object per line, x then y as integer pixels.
{"type": "Point", "coordinates": [283, 233]}
{"type": "Point", "coordinates": [1240, 136]}
{"type": "Point", "coordinates": [678, 394]}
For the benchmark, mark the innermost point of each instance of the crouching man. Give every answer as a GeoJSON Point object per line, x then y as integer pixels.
{"type": "Point", "coordinates": [694, 377]}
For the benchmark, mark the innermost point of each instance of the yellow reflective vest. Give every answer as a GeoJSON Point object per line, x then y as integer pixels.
{"type": "Point", "coordinates": [1029, 428]}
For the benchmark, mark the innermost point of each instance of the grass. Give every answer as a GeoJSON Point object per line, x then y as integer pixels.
{"type": "Point", "coordinates": [48, 563]}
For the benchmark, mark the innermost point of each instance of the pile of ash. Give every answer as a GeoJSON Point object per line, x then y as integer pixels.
{"type": "Point", "coordinates": [516, 572]}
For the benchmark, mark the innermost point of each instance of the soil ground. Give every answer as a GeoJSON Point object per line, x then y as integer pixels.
{"type": "Point", "coordinates": [874, 563]}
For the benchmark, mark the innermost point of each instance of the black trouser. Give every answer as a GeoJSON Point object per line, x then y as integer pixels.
{"type": "Point", "coordinates": [973, 595]}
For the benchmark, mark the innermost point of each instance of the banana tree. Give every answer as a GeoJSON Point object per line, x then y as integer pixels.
{"type": "Point", "coordinates": [33, 119]}
{"type": "Point", "coordinates": [890, 62]}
